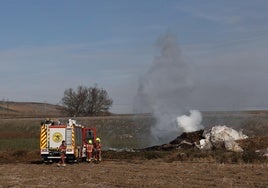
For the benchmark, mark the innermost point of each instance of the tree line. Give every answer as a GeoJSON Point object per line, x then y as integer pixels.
{"type": "Point", "coordinates": [86, 101]}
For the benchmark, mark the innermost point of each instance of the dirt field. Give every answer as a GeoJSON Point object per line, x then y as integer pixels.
{"type": "Point", "coordinates": [135, 173]}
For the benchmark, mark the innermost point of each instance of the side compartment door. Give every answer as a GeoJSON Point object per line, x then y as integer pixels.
{"type": "Point", "coordinates": [57, 134]}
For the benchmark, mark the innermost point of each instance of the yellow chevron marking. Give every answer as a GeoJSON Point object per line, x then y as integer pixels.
{"type": "Point", "coordinates": [73, 140]}
{"type": "Point", "coordinates": [43, 137]}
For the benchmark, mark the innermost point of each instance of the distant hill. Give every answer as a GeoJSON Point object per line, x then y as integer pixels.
{"type": "Point", "coordinates": [11, 109]}
{"type": "Point", "coordinates": [29, 109]}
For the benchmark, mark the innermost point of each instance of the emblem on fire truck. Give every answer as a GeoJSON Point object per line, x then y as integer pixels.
{"type": "Point", "coordinates": [57, 137]}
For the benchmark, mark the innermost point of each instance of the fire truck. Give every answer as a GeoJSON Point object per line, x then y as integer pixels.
{"type": "Point", "coordinates": [52, 133]}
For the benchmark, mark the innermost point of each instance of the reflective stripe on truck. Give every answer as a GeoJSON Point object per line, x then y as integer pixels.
{"type": "Point", "coordinates": [43, 136]}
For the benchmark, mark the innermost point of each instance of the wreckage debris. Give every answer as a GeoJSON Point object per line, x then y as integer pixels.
{"type": "Point", "coordinates": [189, 137]}
{"type": "Point", "coordinates": [221, 137]}
{"type": "Point", "coordinates": [217, 137]}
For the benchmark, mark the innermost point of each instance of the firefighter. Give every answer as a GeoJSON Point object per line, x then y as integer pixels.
{"type": "Point", "coordinates": [62, 150]}
{"type": "Point", "coordinates": [85, 150]}
{"type": "Point", "coordinates": [89, 150]}
{"type": "Point", "coordinates": [98, 150]}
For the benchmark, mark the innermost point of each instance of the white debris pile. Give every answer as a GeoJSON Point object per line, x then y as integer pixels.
{"type": "Point", "coordinates": [73, 122]}
{"type": "Point", "coordinates": [221, 136]}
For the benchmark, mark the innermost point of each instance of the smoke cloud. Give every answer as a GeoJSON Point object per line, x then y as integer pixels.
{"type": "Point", "coordinates": [165, 91]}
{"type": "Point", "coordinates": [190, 123]}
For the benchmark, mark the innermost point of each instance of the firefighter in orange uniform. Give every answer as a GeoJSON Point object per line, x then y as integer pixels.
{"type": "Point", "coordinates": [98, 150]}
{"type": "Point", "coordinates": [62, 150]}
{"type": "Point", "coordinates": [89, 150]}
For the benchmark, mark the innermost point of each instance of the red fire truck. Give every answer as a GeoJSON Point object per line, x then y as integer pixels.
{"type": "Point", "coordinates": [52, 133]}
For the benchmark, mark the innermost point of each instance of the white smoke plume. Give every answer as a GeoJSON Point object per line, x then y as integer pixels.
{"type": "Point", "coordinates": [190, 123]}
{"type": "Point", "coordinates": [165, 91]}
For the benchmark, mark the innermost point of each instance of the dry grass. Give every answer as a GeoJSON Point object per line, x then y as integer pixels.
{"type": "Point", "coordinates": [152, 173]}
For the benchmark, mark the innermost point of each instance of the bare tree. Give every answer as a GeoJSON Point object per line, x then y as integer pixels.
{"type": "Point", "coordinates": [98, 101]}
{"type": "Point", "coordinates": [86, 101]}
{"type": "Point", "coordinates": [69, 101]}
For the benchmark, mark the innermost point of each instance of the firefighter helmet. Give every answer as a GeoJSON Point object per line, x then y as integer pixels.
{"type": "Point", "coordinates": [90, 141]}
{"type": "Point", "coordinates": [98, 139]}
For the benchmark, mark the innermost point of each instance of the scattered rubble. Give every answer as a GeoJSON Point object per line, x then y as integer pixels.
{"type": "Point", "coordinates": [218, 137]}
{"type": "Point", "coordinates": [221, 136]}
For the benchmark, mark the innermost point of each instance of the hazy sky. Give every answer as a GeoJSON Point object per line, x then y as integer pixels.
{"type": "Point", "coordinates": [49, 46]}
